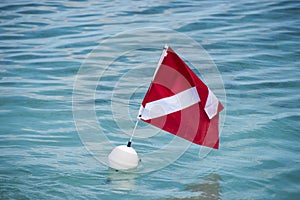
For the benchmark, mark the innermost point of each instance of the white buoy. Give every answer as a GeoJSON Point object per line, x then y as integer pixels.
{"type": "Point", "coordinates": [123, 158]}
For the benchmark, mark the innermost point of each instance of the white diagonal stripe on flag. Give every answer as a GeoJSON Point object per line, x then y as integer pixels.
{"type": "Point", "coordinates": [170, 104]}
{"type": "Point", "coordinates": [211, 105]}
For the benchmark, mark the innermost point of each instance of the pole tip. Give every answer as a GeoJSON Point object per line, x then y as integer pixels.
{"type": "Point", "coordinates": [129, 144]}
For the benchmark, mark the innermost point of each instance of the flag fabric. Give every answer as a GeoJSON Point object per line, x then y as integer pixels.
{"type": "Point", "coordinates": [178, 102]}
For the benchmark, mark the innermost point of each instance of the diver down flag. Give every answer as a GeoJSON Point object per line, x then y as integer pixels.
{"type": "Point", "coordinates": [178, 102]}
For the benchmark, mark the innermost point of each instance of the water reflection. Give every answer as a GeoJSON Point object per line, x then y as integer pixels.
{"type": "Point", "coordinates": [121, 181]}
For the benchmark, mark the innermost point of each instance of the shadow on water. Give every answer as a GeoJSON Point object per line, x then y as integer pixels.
{"type": "Point", "coordinates": [208, 190]}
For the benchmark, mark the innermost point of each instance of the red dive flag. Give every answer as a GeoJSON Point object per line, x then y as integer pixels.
{"type": "Point", "coordinates": [178, 102]}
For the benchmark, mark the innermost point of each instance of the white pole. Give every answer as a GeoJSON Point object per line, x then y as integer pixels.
{"type": "Point", "coordinates": [162, 56]}
{"type": "Point", "coordinates": [130, 140]}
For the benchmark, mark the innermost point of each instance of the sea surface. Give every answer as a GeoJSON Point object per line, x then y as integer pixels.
{"type": "Point", "coordinates": [61, 59]}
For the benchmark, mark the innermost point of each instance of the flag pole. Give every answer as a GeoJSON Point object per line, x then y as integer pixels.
{"type": "Point", "coordinates": [162, 56]}
{"type": "Point", "coordinates": [130, 140]}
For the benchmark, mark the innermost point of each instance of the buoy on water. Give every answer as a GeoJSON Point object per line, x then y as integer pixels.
{"type": "Point", "coordinates": [123, 157]}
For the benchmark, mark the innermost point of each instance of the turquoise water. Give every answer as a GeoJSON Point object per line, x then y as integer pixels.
{"type": "Point", "coordinates": [254, 44]}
